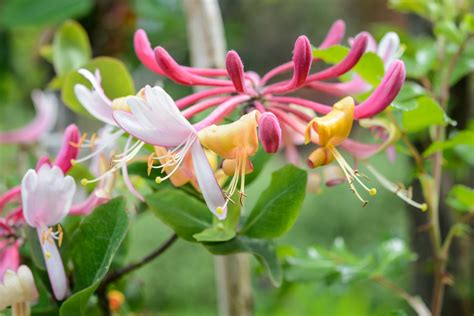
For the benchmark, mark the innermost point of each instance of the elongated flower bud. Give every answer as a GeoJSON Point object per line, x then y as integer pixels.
{"type": "Point", "coordinates": [384, 94]}
{"type": "Point", "coordinates": [235, 68]}
{"type": "Point", "coordinates": [269, 132]}
{"type": "Point", "coordinates": [68, 151]}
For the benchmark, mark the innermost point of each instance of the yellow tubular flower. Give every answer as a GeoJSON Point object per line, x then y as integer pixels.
{"type": "Point", "coordinates": [235, 142]}
{"type": "Point", "coordinates": [333, 129]}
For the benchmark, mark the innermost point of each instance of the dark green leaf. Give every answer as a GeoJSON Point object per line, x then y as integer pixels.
{"type": "Point", "coordinates": [71, 48]}
{"type": "Point", "coordinates": [95, 243]}
{"type": "Point", "coordinates": [116, 81]}
{"type": "Point", "coordinates": [279, 205]}
{"type": "Point", "coordinates": [184, 214]}
{"type": "Point", "coordinates": [263, 250]}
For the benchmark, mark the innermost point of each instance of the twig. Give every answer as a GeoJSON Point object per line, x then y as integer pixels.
{"type": "Point", "coordinates": [114, 276]}
{"type": "Point", "coordinates": [415, 302]}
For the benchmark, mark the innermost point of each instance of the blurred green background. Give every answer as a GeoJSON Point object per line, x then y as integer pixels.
{"type": "Point", "coordinates": [182, 281]}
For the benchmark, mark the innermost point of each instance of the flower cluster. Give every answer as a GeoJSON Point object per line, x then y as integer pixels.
{"type": "Point", "coordinates": [211, 154]}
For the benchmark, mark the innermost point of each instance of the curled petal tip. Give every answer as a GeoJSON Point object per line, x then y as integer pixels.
{"type": "Point", "coordinates": [385, 93]}
{"type": "Point", "coordinates": [235, 69]}
{"type": "Point", "coordinates": [269, 132]}
{"type": "Point", "coordinates": [144, 51]}
{"type": "Point", "coordinates": [334, 35]}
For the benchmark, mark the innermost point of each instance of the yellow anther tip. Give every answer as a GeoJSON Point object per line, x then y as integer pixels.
{"type": "Point", "coordinates": [424, 207]}
{"type": "Point", "coordinates": [219, 210]}
{"type": "Point", "coordinates": [158, 180]}
{"type": "Point", "coordinates": [84, 182]}
{"type": "Point", "coordinates": [47, 254]}
{"type": "Point", "coordinates": [373, 191]}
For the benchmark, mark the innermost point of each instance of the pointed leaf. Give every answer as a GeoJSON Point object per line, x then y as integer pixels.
{"type": "Point", "coordinates": [184, 214]}
{"type": "Point", "coordinates": [279, 205]}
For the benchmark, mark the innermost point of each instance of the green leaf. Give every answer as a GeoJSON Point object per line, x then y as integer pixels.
{"type": "Point", "coordinates": [279, 205]}
{"type": "Point", "coordinates": [263, 250]}
{"type": "Point", "coordinates": [464, 65]}
{"type": "Point", "coordinates": [184, 214]}
{"type": "Point", "coordinates": [259, 160]}
{"type": "Point", "coordinates": [116, 81]}
{"type": "Point", "coordinates": [423, 61]}
{"type": "Point", "coordinates": [95, 243]}
{"type": "Point", "coordinates": [426, 114]}
{"type": "Point", "coordinates": [410, 6]}
{"type": "Point", "coordinates": [461, 198]}
{"type": "Point", "coordinates": [370, 67]}
{"type": "Point", "coordinates": [405, 100]}
{"type": "Point", "coordinates": [34, 245]}
{"type": "Point", "coordinates": [448, 30]}
{"type": "Point", "coordinates": [222, 230]}
{"type": "Point", "coordinates": [15, 13]}
{"type": "Point", "coordinates": [71, 48]}
{"type": "Point", "coordinates": [467, 24]}
{"type": "Point", "coordinates": [461, 138]}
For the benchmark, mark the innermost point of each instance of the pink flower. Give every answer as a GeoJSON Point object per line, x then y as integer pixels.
{"type": "Point", "coordinates": [9, 256]}
{"type": "Point", "coordinates": [156, 120]}
{"type": "Point", "coordinates": [46, 199]}
{"type": "Point", "coordinates": [46, 114]}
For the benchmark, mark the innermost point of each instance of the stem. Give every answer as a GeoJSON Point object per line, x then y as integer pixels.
{"type": "Point", "coordinates": [114, 276]}
{"type": "Point", "coordinates": [440, 134]}
{"type": "Point", "coordinates": [134, 266]}
{"type": "Point", "coordinates": [414, 301]}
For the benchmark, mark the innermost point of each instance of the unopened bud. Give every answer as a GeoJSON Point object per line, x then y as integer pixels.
{"type": "Point", "coordinates": [269, 132]}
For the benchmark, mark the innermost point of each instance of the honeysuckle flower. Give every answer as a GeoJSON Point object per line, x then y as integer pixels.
{"type": "Point", "coordinates": [46, 198]}
{"type": "Point", "coordinates": [155, 119]}
{"type": "Point", "coordinates": [97, 103]}
{"type": "Point", "coordinates": [332, 130]}
{"type": "Point", "coordinates": [18, 290]}
{"type": "Point", "coordinates": [237, 87]}
{"type": "Point", "coordinates": [46, 113]}
{"type": "Point", "coordinates": [235, 143]}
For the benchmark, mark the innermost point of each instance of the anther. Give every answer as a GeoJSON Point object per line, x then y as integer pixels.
{"type": "Point", "coordinates": [84, 181]}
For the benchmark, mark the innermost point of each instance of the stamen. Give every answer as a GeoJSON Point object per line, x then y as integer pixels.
{"type": "Point", "coordinates": [104, 143]}
{"type": "Point", "coordinates": [352, 175]}
{"type": "Point", "coordinates": [81, 141]}
{"type": "Point", "coordinates": [150, 163]}
{"type": "Point", "coordinates": [175, 160]}
{"type": "Point", "coordinates": [403, 194]}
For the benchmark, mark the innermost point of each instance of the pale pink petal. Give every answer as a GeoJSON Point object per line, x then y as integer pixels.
{"type": "Point", "coordinates": [55, 267]}
{"type": "Point", "coordinates": [46, 114]}
{"type": "Point", "coordinates": [207, 182]}
{"type": "Point", "coordinates": [92, 102]}
{"type": "Point", "coordinates": [46, 196]}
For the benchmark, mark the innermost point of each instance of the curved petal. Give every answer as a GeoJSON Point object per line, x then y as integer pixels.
{"type": "Point", "coordinates": [207, 182]}
{"type": "Point", "coordinates": [155, 120]}
{"type": "Point", "coordinates": [94, 104]}
{"type": "Point", "coordinates": [46, 115]}
{"type": "Point", "coordinates": [9, 257]}
{"type": "Point", "coordinates": [55, 267]}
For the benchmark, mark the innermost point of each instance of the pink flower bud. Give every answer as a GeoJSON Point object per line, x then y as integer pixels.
{"type": "Point", "coordinates": [335, 34]}
{"type": "Point", "coordinates": [235, 68]}
{"type": "Point", "coordinates": [68, 151]}
{"type": "Point", "coordinates": [269, 132]}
